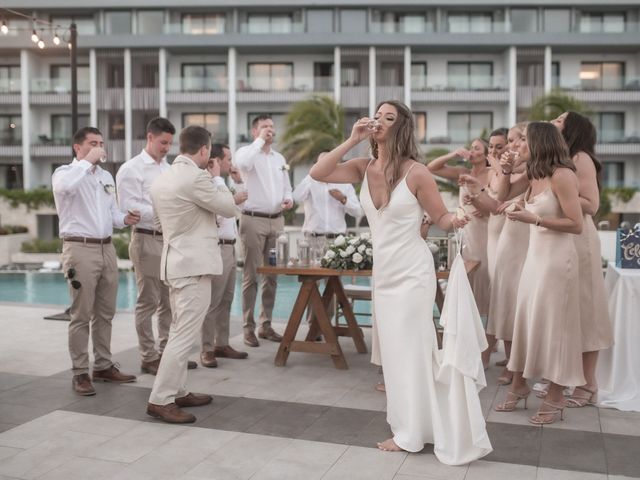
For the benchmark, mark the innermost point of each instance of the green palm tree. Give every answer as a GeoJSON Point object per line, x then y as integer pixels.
{"type": "Point", "coordinates": [312, 126]}
{"type": "Point", "coordinates": [553, 104]}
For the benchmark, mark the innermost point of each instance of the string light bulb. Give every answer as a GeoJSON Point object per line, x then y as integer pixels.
{"type": "Point", "coordinates": [40, 44]}
{"type": "Point", "coordinates": [69, 45]}
{"type": "Point", "coordinates": [4, 28]}
{"type": "Point", "coordinates": [56, 39]}
{"type": "Point", "coordinates": [34, 37]}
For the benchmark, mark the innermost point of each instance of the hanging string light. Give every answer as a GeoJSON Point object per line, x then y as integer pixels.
{"type": "Point", "coordinates": [38, 28]}
{"type": "Point", "coordinates": [4, 28]}
{"type": "Point", "coordinates": [56, 38]}
{"type": "Point", "coordinates": [34, 36]}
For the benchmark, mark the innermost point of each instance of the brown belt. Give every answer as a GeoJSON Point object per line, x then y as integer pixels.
{"type": "Point", "coordinates": [261, 215]}
{"type": "Point", "coordinates": [226, 242]}
{"type": "Point", "coordinates": [99, 241]}
{"type": "Point", "coordinates": [326, 235]}
{"type": "Point", "coordinates": [148, 232]}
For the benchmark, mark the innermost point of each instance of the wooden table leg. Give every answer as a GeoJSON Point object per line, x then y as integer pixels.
{"type": "Point", "coordinates": [294, 322]}
{"type": "Point", "coordinates": [324, 324]}
{"type": "Point", "coordinates": [314, 330]}
{"type": "Point", "coordinates": [354, 331]}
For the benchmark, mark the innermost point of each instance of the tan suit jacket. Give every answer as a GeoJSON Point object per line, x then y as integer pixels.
{"type": "Point", "coordinates": [186, 201]}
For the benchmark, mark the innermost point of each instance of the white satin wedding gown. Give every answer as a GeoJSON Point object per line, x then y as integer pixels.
{"type": "Point", "coordinates": [428, 400]}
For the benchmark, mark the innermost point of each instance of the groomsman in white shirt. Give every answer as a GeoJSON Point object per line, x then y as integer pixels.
{"type": "Point", "coordinates": [325, 205]}
{"type": "Point", "coordinates": [215, 328]}
{"type": "Point", "coordinates": [266, 176]}
{"type": "Point", "coordinates": [85, 197]}
{"type": "Point", "coordinates": [134, 180]}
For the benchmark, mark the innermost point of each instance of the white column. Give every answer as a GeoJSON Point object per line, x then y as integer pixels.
{"type": "Point", "coordinates": [93, 88]}
{"type": "Point", "coordinates": [372, 81]}
{"type": "Point", "coordinates": [232, 120]}
{"type": "Point", "coordinates": [513, 111]}
{"type": "Point", "coordinates": [547, 69]}
{"type": "Point", "coordinates": [25, 112]}
{"type": "Point", "coordinates": [337, 74]}
{"type": "Point", "coordinates": [407, 76]}
{"type": "Point", "coordinates": [162, 82]}
{"type": "Point", "coordinates": [128, 117]}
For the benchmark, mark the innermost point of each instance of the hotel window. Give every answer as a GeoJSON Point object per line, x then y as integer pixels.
{"type": "Point", "coordinates": [203, 24]}
{"type": "Point", "coordinates": [215, 123]}
{"type": "Point", "coordinates": [319, 21]}
{"type": "Point", "coordinates": [353, 21]}
{"type": "Point", "coordinates": [61, 78]}
{"type": "Point", "coordinates": [9, 78]}
{"type": "Point", "coordinates": [270, 23]}
{"type": "Point", "coordinates": [613, 22]}
{"type": "Point", "coordinates": [612, 174]}
{"type": "Point", "coordinates": [557, 20]}
{"type": "Point", "coordinates": [117, 23]}
{"type": "Point", "coordinates": [420, 124]}
{"type": "Point", "coordinates": [270, 76]}
{"type": "Point", "coordinates": [10, 129]}
{"type": "Point", "coordinates": [464, 126]}
{"type": "Point", "coordinates": [115, 75]}
{"type": "Point", "coordinates": [419, 76]}
{"type": "Point", "coordinates": [610, 126]}
{"type": "Point", "coordinates": [61, 132]}
{"type": "Point", "coordinates": [555, 74]}
{"type": "Point", "coordinates": [116, 126]}
{"type": "Point", "coordinates": [393, 22]}
{"type": "Point", "coordinates": [602, 75]}
{"type": "Point", "coordinates": [84, 25]}
{"type": "Point", "coordinates": [470, 22]}
{"type": "Point", "coordinates": [350, 75]}
{"type": "Point", "coordinates": [323, 76]}
{"type": "Point", "coordinates": [150, 22]}
{"type": "Point", "coordinates": [524, 20]}
{"type": "Point", "coordinates": [11, 177]}
{"type": "Point", "coordinates": [202, 77]}
{"type": "Point", "coordinates": [391, 74]}
{"type": "Point", "coordinates": [470, 75]}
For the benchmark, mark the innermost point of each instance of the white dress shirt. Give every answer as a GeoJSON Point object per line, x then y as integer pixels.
{"type": "Point", "coordinates": [322, 212]}
{"type": "Point", "coordinates": [227, 228]}
{"type": "Point", "coordinates": [134, 180]}
{"type": "Point", "coordinates": [86, 200]}
{"type": "Point", "coordinates": [265, 176]}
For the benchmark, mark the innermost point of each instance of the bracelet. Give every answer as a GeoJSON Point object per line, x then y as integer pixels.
{"type": "Point", "coordinates": [538, 220]}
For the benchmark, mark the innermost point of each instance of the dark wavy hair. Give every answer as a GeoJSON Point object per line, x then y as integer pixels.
{"type": "Point", "coordinates": [400, 145]}
{"type": "Point", "coordinates": [580, 135]}
{"type": "Point", "coordinates": [548, 150]}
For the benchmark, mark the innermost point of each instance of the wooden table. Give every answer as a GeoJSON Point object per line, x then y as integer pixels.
{"type": "Point", "coordinates": [319, 305]}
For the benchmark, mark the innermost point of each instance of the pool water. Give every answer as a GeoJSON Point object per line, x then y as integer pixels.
{"type": "Point", "coordinates": [52, 289]}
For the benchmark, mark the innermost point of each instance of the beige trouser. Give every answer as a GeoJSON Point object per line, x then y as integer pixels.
{"type": "Point", "coordinates": [215, 329]}
{"type": "Point", "coordinates": [190, 298]}
{"type": "Point", "coordinates": [93, 303]}
{"type": "Point", "coordinates": [153, 295]}
{"type": "Point", "coordinates": [258, 237]}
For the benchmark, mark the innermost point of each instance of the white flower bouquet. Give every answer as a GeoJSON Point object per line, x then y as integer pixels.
{"type": "Point", "coordinates": [349, 253]}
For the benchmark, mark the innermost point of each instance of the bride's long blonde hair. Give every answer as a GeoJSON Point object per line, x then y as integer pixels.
{"type": "Point", "coordinates": [399, 146]}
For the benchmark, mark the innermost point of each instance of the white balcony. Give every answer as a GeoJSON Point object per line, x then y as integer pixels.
{"type": "Point", "coordinates": [355, 97]}
{"type": "Point", "coordinates": [632, 147]}
{"type": "Point", "coordinates": [145, 98]}
{"type": "Point", "coordinates": [51, 150]}
{"type": "Point", "coordinates": [111, 99]}
{"type": "Point", "coordinates": [11, 150]}
{"type": "Point", "coordinates": [10, 98]}
{"type": "Point", "coordinates": [281, 89]}
{"type": "Point", "coordinates": [197, 90]}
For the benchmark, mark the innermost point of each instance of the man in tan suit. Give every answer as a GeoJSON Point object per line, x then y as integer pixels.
{"type": "Point", "coordinates": [186, 199]}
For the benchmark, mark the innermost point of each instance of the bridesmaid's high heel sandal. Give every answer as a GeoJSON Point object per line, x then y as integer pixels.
{"type": "Point", "coordinates": [548, 414]}
{"type": "Point", "coordinates": [512, 400]}
{"type": "Point", "coordinates": [505, 378]}
{"type": "Point", "coordinates": [589, 397]}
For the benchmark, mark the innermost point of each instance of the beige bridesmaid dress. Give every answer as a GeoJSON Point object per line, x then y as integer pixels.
{"type": "Point", "coordinates": [597, 330]}
{"type": "Point", "coordinates": [547, 338]}
{"type": "Point", "coordinates": [511, 252]}
{"type": "Point", "coordinates": [494, 229]}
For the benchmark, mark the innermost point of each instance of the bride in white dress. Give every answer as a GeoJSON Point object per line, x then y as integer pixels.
{"type": "Point", "coordinates": [396, 190]}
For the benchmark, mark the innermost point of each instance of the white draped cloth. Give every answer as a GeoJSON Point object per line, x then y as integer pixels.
{"type": "Point", "coordinates": [618, 370]}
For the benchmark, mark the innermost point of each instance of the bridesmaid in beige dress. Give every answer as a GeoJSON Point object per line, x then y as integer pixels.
{"type": "Point", "coordinates": [597, 331]}
{"type": "Point", "coordinates": [476, 231]}
{"type": "Point", "coordinates": [547, 338]}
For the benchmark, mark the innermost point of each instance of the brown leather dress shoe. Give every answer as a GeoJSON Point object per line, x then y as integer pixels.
{"type": "Point", "coordinates": [194, 400]}
{"type": "Point", "coordinates": [270, 334]}
{"type": "Point", "coordinates": [82, 385]}
{"type": "Point", "coordinates": [170, 413]}
{"type": "Point", "coordinates": [208, 359]}
{"type": "Point", "coordinates": [229, 352]}
{"type": "Point", "coordinates": [113, 375]}
{"type": "Point", "coordinates": [250, 339]}
{"type": "Point", "coordinates": [150, 367]}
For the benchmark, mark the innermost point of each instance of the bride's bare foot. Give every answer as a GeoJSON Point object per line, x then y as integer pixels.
{"type": "Point", "coordinates": [389, 446]}
{"type": "Point", "coordinates": [380, 387]}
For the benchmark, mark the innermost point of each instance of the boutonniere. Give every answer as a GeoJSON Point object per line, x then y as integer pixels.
{"type": "Point", "coordinates": [285, 168]}
{"type": "Point", "coordinates": [109, 188]}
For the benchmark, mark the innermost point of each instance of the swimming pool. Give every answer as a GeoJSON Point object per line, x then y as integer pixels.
{"type": "Point", "coordinates": [51, 288]}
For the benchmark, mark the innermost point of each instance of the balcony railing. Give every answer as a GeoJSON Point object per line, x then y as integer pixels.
{"type": "Point", "coordinates": [57, 85]}
{"type": "Point", "coordinates": [400, 27]}
{"type": "Point", "coordinates": [284, 89]}
{"type": "Point", "coordinates": [198, 84]}
{"type": "Point", "coordinates": [9, 85]}
{"type": "Point", "coordinates": [278, 29]}
{"type": "Point", "coordinates": [179, 28]}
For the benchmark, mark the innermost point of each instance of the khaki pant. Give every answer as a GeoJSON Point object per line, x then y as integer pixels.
{"type": "Point", "coordinates": [190, 298]}
{"type": "Point", "coordinates": [153, 295]}
{"type": "Point", "coordinates": [93, 304]}
{"type": "Point", "coordinates": [215, 329]}
{"type": "Point", "coordinates": [258, 237]}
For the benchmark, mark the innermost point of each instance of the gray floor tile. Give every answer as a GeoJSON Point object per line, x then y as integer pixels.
{"type": "Point", "coordinates": [18, 414]}
{"type": "Point", "coordinates": [240, 415]}
{"type": "Point", "coordinates": [109, 397]}
{"type": "Point", "coordinates": [376, 430]}
{"type": "Point", "coordinates": [572, 450]}
{"type": "Point", "coordinates": [339, 425]}
{"type": "Point", "coordinates": [623, 455]}
{"type": "Point", "coordinates": [288, 420]}
{"type": "Point", "coordinates": [12, 380]}
{"type": "Point", "coordinates": [514, 443]}
{"type": "Point", "coordinates": [6, 426]}
{"type": "Point", "coordinates": [54, 393]}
